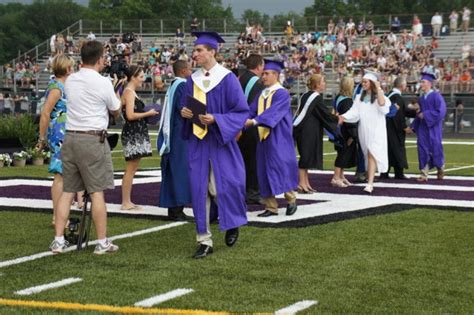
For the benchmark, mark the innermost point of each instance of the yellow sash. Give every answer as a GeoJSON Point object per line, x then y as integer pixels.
{"type": "Point", "coordinates": [200, 96]}
{"type": "Point", "coordinates": [264, 132]}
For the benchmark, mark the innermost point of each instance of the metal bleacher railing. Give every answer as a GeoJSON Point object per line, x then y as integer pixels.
{"type": "Point", "coordinates": [163, 30]}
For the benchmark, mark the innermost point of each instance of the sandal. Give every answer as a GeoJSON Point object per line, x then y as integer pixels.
{"type": "Point", "coordinates": [345, 181]}
{"type": "Point", "coordinates": [301, 190]}
{"type": "Point", "coordinates": [132, 208]}
{"type": "Point", "coordinates": [422, 179]}
{"type": "Point", "coordinates": [338, 183]}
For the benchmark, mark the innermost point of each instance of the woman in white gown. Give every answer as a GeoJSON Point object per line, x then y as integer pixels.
{"type": "Point", "coordinates": [369, 109]}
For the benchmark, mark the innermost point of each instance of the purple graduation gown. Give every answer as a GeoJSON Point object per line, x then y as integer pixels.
{"type": "Point", "coordinates": [227, 103]}
{"type": "Point", "coordinates": [277, 168]}
{"type": "Point", "coordinates": [429, 130]}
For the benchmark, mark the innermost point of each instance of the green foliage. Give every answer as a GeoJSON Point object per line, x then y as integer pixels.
{"type": "Point", "coordinates": [24, 26]}
{"type": "Point", "coordinates": [21, 127]}
{"type": "Point", "coordinates": [255, 17]}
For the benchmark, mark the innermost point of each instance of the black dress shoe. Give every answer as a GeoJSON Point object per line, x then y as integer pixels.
{"type": "Point", "coordinates": [267, 213]}
{"type": "Point", "coordinates": [203, 251]}
{"type": "Point", "coordinates": [177, 214]}
{"type": "Point", "coordinates": [231, 236]}
{"type": "Point", "coordinates": [291, 208]}
{"type": "Point", "coordinates": [384, 176]}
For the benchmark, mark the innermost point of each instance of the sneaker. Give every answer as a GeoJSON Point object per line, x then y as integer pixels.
{"type": "Point", "coordinates": [57, 247]}
{"type": "Point", "coordinates": [108, 248]}
{"type": "Point", "coordinates": [369, 188]}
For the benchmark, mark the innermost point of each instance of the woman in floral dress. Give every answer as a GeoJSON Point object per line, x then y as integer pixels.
{"type": "Point", "coordinates": [52, 127]}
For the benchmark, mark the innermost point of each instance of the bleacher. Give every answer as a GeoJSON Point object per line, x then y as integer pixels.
{"type": "Point", "coordinates": [449, 47]}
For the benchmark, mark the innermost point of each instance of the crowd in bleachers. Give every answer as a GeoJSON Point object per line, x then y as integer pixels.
{"type": "Point", "coordinates": [343, 48]}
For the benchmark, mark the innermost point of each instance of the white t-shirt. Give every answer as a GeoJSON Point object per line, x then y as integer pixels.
{"type": "Point", "coordinates": [466, 15]}
{"type": "Point", "coordinates": [89, 97]}
{"type": "Point", "coordinates": [436, 20]}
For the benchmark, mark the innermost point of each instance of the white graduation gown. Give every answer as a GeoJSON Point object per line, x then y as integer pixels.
{"type": "Point", "coordinates": [372, 129]}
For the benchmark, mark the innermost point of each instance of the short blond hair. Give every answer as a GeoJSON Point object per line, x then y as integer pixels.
{"type": "Point", "coordinates": [61, 64]}
{"type": "Point", "coordinates": [346, 88]}
{"type": "Point", "coordinates": [314, 81]}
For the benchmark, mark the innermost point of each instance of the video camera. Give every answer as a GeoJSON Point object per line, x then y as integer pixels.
{"type": "Point", "coordinates": [118, 66]}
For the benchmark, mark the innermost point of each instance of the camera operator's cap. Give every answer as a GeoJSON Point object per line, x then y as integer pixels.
{"type": "Point", "coordinates": [274, 65]}
{"type": "Point", "coordinates": [208, 38]}
{"type": "Point", "coordinates": [370, 75]}
{"type": "Point", "coordinates": [428, 76]}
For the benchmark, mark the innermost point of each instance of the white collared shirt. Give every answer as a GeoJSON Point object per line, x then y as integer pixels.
{"type": "Point", "coordinates": [89, 98]}
{"type": "Point", "coordinates": [207, 83]}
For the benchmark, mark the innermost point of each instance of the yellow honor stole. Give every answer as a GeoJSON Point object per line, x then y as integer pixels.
{"type": "Point", "coordinates": [264, 132]}
{"type": "Point", "coordinates": [200, 96]}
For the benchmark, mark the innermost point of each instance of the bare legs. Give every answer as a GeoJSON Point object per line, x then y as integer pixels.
{"type": "Point", "coordinates": [99, 213]}
{"type": "Point", "coordinates": [303, 185]}
{"type": "Point", "coordinates": [56, 191]}
{"type": "Point", "coordinates": [371, 166]}
{"type": "Point", "coordinates": [127, 182]}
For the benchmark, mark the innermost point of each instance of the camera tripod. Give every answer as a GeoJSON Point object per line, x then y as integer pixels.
{"type": "Point", "coordinates": [85, 223]}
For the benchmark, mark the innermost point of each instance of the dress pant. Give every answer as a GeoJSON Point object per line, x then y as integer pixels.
{"type": "Point", "coordinates": [206, 238]}
{"type": "Point", "coordinates": [272, 205]}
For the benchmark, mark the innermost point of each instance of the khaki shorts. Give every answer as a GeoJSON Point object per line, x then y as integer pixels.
{"type": "Point", "coordinates": [87, 164]}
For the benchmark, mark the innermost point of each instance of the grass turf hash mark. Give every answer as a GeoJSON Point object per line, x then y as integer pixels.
{"type": "Point", "coordinates": [48, 286]}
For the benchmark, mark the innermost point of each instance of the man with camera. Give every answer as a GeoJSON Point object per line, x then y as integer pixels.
{"type": "Point", "coordinates": [87, 161]}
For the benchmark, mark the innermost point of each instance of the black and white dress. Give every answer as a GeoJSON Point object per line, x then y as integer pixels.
{"type": "Point", "coordinates": [135, 139]}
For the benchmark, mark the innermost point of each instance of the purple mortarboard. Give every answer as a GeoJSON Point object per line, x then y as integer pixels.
{"type": "Point", "coordinates": [428, 76]}
{"type": "Point", "coordinates": [274, 65]}
{"type": "Point", "coordinates": [208, 38]}
{"type": "Point", "coordinates": [152, 120]}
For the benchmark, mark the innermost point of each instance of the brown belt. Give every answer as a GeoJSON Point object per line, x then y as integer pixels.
{"type": "Point", "coordinates": [86, 132]}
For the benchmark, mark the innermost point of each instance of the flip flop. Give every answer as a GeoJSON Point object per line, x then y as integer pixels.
{"type": "Point", "coordinates": [132, 208]}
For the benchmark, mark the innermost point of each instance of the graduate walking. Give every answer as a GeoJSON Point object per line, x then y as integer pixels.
{"type": "Point", "coordinates": [369, 109]}
{"type": "Point", "coordinates": [277, 168]}
{"type": "Point", "coordinates": [396, 131]}
{"type": "Point", "coordinates": [174, 190]}
{"type": "Point", "coordinates": [216, 168]}
{"type": "Point", "coordinates": [428, 126]}
{"type": "Point", "coordinates": [310, 119]}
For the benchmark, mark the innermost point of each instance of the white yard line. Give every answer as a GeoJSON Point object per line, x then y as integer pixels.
{"type": "Point", "coordinates": [21, 260]}
{"type": "Point", "coordinates": [334, 152]}
{"type": "Point", "coordinates": [48, 286]}
{"type": "Point", "coordinates": [412, 175]}
{"type": "Point", "coordinates": [420, 186]}
{"type": "Point", "coordinates": [453, 169]}
{"type": "Point", "coordinates": [163, 297]}
{"type": "Point", "coordinates": [294, 308]}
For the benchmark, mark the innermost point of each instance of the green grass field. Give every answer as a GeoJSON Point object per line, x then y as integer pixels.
{"type": "Point", "coordinates": [408, 262]}
{"type": "Point", "coordinates": [414, 261]}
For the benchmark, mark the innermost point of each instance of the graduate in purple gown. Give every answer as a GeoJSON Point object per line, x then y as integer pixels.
{"type": "Point", "coordinates": [277, 168]}
{"type": "Point", "coordinates": [428, 126]}
{"type": "Point", "coordinates": [216, 168]}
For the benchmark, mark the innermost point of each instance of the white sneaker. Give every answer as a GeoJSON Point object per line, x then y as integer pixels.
{"type": "Point", "coordinates": [107, 249]}
{"type": "Point", "coordinates": [369, 188]}
{"type": "Point", "coordinates": [57, 247]}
